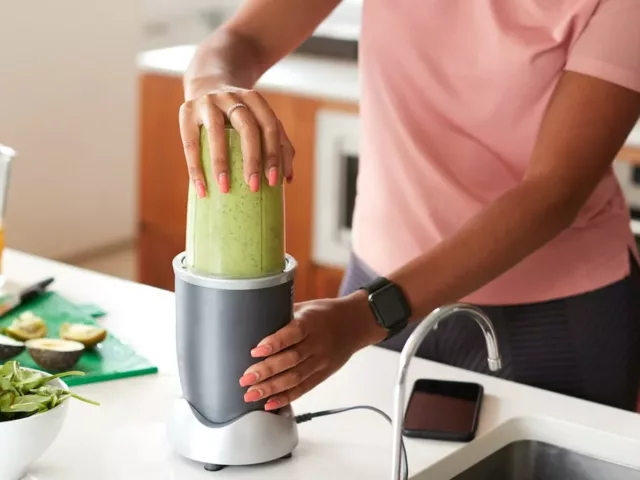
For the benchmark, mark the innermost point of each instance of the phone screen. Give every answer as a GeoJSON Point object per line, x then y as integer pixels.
{"type": "Point", "coordinates": [443, 410]}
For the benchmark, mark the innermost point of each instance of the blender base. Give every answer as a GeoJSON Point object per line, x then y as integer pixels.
{"type": "Point", "coordinates": [257, 437]}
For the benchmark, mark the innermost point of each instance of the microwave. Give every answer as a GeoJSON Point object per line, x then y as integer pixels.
{"type": "Point", "coordinates": [335, 174]}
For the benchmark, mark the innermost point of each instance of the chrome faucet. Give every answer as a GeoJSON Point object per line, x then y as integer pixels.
{"type": "Point", "coordinates": [407, 354]}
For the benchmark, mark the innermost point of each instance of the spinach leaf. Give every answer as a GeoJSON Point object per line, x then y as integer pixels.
{"type": "Point", "coordinates": [25, 392]}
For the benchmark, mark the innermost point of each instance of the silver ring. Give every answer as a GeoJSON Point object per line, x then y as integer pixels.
{"type": "Point", "coordinates": [233, 108]}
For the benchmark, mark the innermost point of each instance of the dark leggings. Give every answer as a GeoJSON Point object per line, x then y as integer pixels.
{"type": "Point", "coordinates": [585, 346]}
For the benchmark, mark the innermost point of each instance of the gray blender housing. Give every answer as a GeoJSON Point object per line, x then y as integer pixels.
{"type": "Point", "coordinates": [218, 322]}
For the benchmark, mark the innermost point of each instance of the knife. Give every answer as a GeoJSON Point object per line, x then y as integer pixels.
{"type": "Point", "coordinates": [11, 302]}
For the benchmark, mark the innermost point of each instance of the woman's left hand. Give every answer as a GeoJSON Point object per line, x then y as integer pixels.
{"type": "Point", "coordinates": [319, 340]}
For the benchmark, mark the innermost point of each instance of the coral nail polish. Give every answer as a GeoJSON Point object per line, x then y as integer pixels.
{"type": "Point", "coordinates": [261, 351]}
{"type": "Point", "coordinates": [273, 176]}
{"type": "Point", "coordinates": [223, 182]}
{"type": "Point", "coordinates": [254, 182]}
{"type": "Point", "coordinates": [200, 190]}
{"type": "Point", "coordinates": [272, 405]}
{"type": "Point", "coordinates": [252, 396]}
{"type": "Point", "coordinates": [248, 379]}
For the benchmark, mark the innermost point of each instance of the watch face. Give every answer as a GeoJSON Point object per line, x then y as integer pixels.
{"type": "Point", "coordinates": [388, 304]}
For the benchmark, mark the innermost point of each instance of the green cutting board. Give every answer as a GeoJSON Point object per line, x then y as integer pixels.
{"type": "Point", "coordinates": [110, 360]}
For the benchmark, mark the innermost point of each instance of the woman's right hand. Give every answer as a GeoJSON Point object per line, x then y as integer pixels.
{"type": "Point", "coordinates": [266, 149]}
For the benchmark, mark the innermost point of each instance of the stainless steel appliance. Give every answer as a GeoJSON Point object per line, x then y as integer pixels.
{"type": "Point", "coordinates": [219, 321]}
{"type": "Point", "coordinates": [336, 170]}
{"type": "Point", "coordinates": [629, 177]}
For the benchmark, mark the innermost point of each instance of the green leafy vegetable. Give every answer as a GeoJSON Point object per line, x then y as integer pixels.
{"type": "Point", "coordinates": [24, 392]}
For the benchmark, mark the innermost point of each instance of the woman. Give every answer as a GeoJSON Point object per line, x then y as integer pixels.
{"type": "Point", "coordinates": [489, 130]}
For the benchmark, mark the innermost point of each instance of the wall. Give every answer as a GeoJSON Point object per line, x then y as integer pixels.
{"type": "Point", "coordinates": [68, 105]}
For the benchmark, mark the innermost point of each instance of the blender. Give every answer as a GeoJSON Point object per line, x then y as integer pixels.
{"type": "Point", "coordinates": [233, 287]}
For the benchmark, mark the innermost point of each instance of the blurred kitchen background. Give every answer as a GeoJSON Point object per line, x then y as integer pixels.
{"type": "Point", "coordinates": [89, 95]}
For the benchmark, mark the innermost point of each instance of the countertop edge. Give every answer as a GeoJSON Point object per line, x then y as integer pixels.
{"type": "Point", "coordinates": [302, 75]}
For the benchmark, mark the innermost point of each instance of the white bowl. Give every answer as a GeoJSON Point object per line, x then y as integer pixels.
{"type": "Point", "coordinates": [23, 441]}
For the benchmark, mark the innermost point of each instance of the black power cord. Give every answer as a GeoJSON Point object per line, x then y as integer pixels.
{"type": "Point", "coordinates": [305, 417]}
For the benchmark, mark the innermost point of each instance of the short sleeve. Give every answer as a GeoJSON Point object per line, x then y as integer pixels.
{"type": "Point", "coordinates": [609, 46]}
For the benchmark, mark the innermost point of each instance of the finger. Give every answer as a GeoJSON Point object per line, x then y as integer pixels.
{"type": "Point", "coordinates": [213, 120]}
{"type": "Point", "coordinates": [283, 382]}
{"type": "Point", "coordinates": [288, 153]}
{"type": "Point", "coordinates": [244, 122]}
{"type": "Point", "coordinates": [275, 364]}
{"type": "Point", "coordinates": [190, 134]}
{"type": "Point", "coordinates": [285, 398]}
{"type": "Point", "coordinates": [284, 338]}
{"type": "Point", "coordinates": [270, 130]}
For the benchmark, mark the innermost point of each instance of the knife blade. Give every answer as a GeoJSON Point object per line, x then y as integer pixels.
{"type": "Point", "coordinates": [25, 295]}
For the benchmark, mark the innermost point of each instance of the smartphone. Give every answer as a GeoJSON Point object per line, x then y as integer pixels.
{"type": "Point", "coordinates": [443, 410]}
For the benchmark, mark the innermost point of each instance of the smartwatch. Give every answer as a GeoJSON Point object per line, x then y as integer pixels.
{"type": "Point", "coordinates": [389, 305]}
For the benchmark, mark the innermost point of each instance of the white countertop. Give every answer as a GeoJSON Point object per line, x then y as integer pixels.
{"type": "Point", "coordinates": [124, 438]}
{"type": "Point", "coordinates": [297, 74]}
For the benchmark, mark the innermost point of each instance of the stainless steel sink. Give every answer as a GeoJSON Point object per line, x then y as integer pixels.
{"type": "Point", "coordinates": [542, 448]}
{"type": "Point", "coordinates": [535, 460]}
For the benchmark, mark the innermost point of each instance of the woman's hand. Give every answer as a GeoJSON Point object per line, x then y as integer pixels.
{"type": "Point", "coordinates": [265, 146]}
{"type": "Point", "coordinates": [318, 342]}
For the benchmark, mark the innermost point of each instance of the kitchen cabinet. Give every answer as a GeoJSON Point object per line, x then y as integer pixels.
{"type": "Point", "coordinates": [164, 184]}
{"type": "Point", "coordinates": [630, 155]}
{"type": "Point", "coordinates": [326, 281]}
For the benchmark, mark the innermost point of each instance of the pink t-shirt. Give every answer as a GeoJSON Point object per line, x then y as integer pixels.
{"type": "Point", "coordinates": [453, 93]}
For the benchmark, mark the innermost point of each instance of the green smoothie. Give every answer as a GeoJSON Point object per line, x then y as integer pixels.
{"type": "Point", "coordinates": [239, 234]}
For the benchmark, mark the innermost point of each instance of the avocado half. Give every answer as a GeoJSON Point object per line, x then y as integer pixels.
{"type": "Point", "coordinates": [10, 347]}
{"type": "Point", "coordinates": [54, 354]}
{"type": "Point", "coordinates": [88, 335]}
{"type": "Point", "coordinates": [26, 327]}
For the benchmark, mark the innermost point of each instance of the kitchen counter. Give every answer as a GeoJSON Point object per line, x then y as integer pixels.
{"type": "Point", "coordinates": [308, 76]}
{"type": "Point", "coordinates": [124, 438]}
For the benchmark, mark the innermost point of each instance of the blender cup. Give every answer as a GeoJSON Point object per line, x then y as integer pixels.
{"type": "Point", "coordinates": [239, 234]}
{"type": "Point", "coordinates": [7, 155]}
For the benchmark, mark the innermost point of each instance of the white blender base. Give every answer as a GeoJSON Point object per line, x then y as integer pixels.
{"type": "Point", "coordinates": [257, 437]}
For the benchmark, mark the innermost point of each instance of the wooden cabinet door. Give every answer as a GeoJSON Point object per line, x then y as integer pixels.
{"type": "Point", "coordinates": [326, 281]}
{"type": "Point", "coordinates": [298, 118]}
{"type": "Point", "coordinates": [163, 180]}
{"type": "Point", "coordinates": [156, 250]}
{"type": "Point", "coordinates": [163, 172]}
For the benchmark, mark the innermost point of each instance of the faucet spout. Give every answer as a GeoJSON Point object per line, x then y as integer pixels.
{"type": "Point", "coordinates": [408, 352]}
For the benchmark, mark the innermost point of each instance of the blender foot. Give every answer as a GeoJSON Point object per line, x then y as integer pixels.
{"type": "Point", "coordinates": [212, 467]}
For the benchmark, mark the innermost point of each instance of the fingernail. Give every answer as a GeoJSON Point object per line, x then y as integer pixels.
{"type": "Point", "coordinates": [272, 405]}
{"type": "Point", "coordinates": [254, 182]}
{"type": "Point", "coordinates": [290, 178]}
{"type": "Point", "coordinates": [248, 379]}
{"type": "Point", "coordinates": [261, 351]}
{"type": "Point", "coordinates": [202, 192]}
{"type": "Point", "coordinates": [252, 396]}
{"type": "Point", "coordinates": [273, 176]}
{"type": "Point", "coordinates": [223, 182]}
